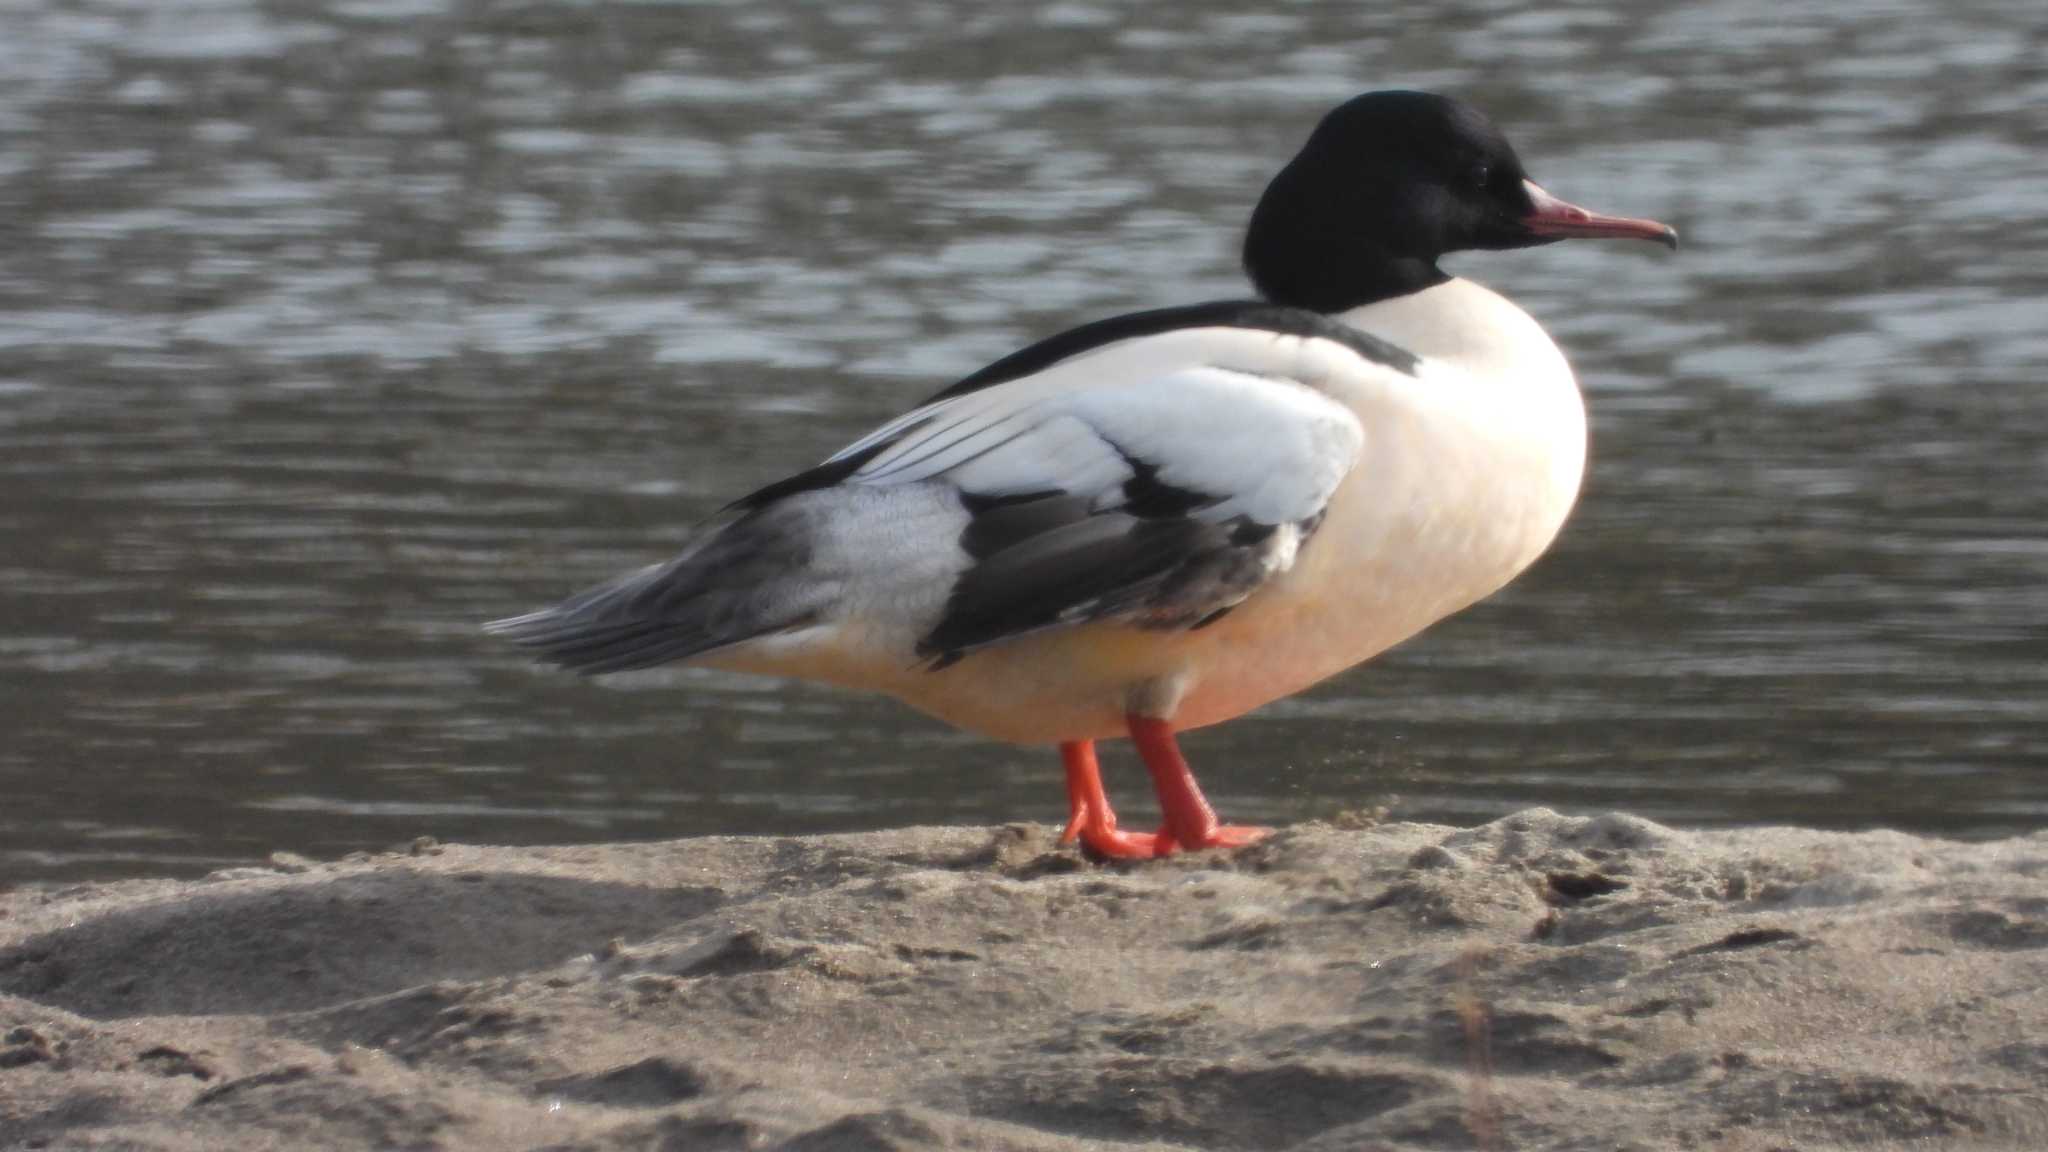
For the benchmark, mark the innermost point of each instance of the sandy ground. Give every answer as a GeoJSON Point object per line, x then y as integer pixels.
{"type": "Point", "coordinates": [1539, 982]}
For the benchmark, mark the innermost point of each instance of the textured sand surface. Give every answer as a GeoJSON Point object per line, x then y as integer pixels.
{"type": "Point", "coordinates": [1541, 982]}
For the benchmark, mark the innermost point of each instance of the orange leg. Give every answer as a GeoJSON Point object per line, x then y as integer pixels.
{"type": "Point", "coordinates": [1091, 820]}
{"type": "Point", "coordinates": [1190, 822]}
{"type": "Point", "coordinates": [1084, 784]}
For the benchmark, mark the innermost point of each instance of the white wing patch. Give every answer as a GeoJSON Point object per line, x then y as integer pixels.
{"type": "Point", "coordinates": [1160, 480]}
{"type": "Point", "coordinates": [1233, 414]}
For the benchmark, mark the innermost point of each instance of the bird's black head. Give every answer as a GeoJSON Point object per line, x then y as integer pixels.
{"type": "Point", "coordinates": [1386, 185]}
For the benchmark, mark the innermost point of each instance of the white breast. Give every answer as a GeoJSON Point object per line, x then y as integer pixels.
{"type": "Point", "coordinates": [1500, 380]}
{"type": "Point", "coordinates": [1468, 472]}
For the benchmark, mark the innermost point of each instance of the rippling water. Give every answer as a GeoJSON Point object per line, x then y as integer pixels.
{"type": "Point", "coordinates": [329, 330]}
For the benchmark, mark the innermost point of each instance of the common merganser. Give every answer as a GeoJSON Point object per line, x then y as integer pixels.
{"type": "Point", "coordinates": [1166, 519]}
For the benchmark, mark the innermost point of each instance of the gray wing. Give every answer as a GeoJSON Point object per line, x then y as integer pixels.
{"type": "Point", "coordinates": [730, 585]}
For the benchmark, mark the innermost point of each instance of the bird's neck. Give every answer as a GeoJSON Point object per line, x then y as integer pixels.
{"type": "Point", "coordinates": [1304, 253]}
{"type": "Point", "coordinates": [1332, 280]}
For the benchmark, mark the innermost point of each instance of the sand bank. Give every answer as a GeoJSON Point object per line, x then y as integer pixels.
{"type": "Point", "coordinates": [1540, 982]}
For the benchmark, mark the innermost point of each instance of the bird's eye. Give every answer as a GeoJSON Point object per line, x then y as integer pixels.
{"type": "Point", "coordinates": [1480, 173]}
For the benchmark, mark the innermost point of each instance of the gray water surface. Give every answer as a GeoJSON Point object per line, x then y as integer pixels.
{"type": "Point", "coordinates": [328, 331]}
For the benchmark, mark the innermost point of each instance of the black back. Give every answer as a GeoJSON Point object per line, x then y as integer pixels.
{"type": "Point", "coordinates": [1262, 315]}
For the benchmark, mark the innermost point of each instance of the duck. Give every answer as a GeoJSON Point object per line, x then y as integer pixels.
{"type": "Point", "coordinates": [1163, 520]}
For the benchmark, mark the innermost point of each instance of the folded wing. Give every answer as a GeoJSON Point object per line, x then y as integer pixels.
{"type": "Point", "coordinates": [1157, 482]}
{"type": "Point", "coordinates": [1162, 501]}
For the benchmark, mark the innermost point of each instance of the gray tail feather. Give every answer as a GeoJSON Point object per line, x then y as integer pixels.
{"type": "Point", "coordinates": [730, 586]}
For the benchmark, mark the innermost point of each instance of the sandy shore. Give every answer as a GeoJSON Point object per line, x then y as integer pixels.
{"type": "Point", "coordinates": [1539, 982]}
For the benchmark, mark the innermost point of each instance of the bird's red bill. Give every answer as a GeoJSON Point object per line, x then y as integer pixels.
{"type": "Point", "coordinates": [1550, 216]}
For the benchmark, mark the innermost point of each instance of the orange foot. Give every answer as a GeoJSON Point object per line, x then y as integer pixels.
{"type": "Point", "coordinates": [1106, 840]}
{"type": "Point", "coordinates": [1090, 819]}
{"type": "Point", "coordinates": [1190, 824]}
{"type": "Point", "coordinates": [1218, 836]}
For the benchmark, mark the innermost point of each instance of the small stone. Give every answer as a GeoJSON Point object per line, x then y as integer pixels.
{"type": "Point", "coordinates": [29, 1047]}
{"type": "Point", "coordinates": [165, 1060]}
{"type": "Point", "coordinates": [1433, 856]}
{"type": "Point", "coordinates": [1360, 819]}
